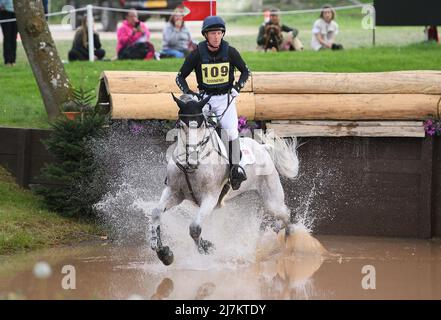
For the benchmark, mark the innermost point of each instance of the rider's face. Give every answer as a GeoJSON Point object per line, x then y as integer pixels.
{"type": "Point", "coordinates": [214, 37]}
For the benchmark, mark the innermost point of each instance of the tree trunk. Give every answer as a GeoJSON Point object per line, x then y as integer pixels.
{"type": "Point", "coordinates": [42, 54]}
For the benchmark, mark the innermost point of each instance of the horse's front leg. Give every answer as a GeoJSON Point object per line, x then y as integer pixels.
{"type": "Point", "coordinates": [168, 200]}
{"type": "Point", "coordinates": [207, 206]}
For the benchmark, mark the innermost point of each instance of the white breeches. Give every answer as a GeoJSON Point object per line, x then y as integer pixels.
{"type": "Point", "coordinates": [228, 120]}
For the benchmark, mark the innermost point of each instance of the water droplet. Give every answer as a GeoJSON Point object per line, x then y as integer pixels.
{"type": "Point", "coordinates": [42, 270]}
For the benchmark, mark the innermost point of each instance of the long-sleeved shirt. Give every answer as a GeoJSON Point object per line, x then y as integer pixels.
{"type": "Point", "coordinates": [126, 36]}
{"type": "Point", "coordinates": [7, 5]}
{"type": "Point", "coordinates": [193, 62]}
{"type": "Point", "coordinates": [174, 39]}
{"type": "Point", "coordinates": [78, 43]}
{"type": "Point", "coordinates": [261, 39]}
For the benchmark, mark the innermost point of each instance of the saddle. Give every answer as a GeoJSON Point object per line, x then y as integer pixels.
{"type": "Point", "coordinates": [247, 154]}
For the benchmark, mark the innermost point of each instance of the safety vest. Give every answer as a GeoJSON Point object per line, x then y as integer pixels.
{"type": "Point", "coordinates": [215, 70]}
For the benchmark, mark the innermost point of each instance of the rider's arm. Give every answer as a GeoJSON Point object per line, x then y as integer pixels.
{"type": "Point", "coordinates": [238, 62]}
{"type": "Point", "coordinates": [188, 66]}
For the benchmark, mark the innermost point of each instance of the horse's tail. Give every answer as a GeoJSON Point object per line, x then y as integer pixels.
{"type": "Point", "coordinates": [284, 154]}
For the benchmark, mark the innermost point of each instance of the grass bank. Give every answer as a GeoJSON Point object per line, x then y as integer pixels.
{"type": "Point", "coordinates": [26, 225]}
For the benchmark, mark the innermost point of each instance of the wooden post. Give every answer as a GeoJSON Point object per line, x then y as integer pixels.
{"type": "Point", "coordinates": [42, 55]}
{"type": "Point", "coordinates": [23, 157]}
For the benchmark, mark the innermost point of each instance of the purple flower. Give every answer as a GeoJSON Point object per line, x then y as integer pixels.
{"type": "Point", "coordinates": [432, 127]}
{"type": "Point", "coordinates": [243, 125]}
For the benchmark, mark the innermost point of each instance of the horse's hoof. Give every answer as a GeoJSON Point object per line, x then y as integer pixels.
{"type": "Point", "coordinates": [165, 255]}
{"type": "Point", "coordinates": [205, 247]}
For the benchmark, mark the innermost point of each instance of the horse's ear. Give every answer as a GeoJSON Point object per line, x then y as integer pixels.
{"type": "Point", "coordinates": [204, 101]}
{"type": "Point", "coordinates": [179, 102]}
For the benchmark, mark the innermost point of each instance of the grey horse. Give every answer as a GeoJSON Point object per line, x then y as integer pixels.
{"type": "Point", "coordinates": [198, 171]}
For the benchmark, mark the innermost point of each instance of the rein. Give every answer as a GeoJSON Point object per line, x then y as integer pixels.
{"type": "Point", "coordinates": [201, 144]}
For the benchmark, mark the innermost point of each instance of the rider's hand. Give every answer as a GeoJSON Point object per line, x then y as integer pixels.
{"type": "Point", "coordinates": [194, 94]}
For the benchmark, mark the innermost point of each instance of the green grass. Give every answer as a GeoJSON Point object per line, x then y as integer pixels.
{"type": "Point", "coordinates": [21, 104]}
{"type": "Point", "coordinates": [25, 224]}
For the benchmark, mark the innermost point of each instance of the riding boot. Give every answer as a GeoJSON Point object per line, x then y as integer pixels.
{"type": "Point", "coordinates": [237, 173]}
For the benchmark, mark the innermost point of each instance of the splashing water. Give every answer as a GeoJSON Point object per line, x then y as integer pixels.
{"type": "Point", "coordinates": [136, 168]}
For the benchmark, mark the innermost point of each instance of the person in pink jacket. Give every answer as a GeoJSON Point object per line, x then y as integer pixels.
{"type": "Point", "coordinates": [133, 39]}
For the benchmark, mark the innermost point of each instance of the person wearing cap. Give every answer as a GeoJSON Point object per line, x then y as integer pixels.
{"type": "Point", "coordinates": [270, 35]}
{"type": "Point", "coordinates": [214, 62]}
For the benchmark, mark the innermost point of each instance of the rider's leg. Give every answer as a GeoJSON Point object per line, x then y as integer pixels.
{"type": "Point", "coordinates": [238, 174]}
{"type": "Point", "coordinates": [229, 122]}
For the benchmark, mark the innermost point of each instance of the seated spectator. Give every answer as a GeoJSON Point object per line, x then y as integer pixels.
{"type": "Point", "coordinates": [176, 38]}
{"type": "Point", "coordinates": [133, 39]}
{"type": "Point", "coordinates": [270, 35]}
{"type": "Point", "coordinates": [324, 31]}
{"type": "Point", "coordinates": [80, 46]}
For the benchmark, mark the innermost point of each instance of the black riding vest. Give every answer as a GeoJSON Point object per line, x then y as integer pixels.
{"type": "Point", "coordinates": [215, 69]}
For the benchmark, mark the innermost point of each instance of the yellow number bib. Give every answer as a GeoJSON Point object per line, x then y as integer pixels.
{"type": "Point", "coordinates": [215, 73]}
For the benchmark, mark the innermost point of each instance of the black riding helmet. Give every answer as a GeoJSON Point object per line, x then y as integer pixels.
{"type": "Point", "coordinates": [213, 23]}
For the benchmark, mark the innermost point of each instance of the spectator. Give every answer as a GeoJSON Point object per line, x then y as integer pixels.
{"type": "Point", "coordinates": [133, 39]}
{"type": "Point", "coordinates": [270, 35]}
{"type": "Point", "coordinates": [80, 46]}
{"type": "Point", "coordinates": [9, 30]}
{"type": "Point", "coordinates": [431, 33]}
{"type": "Point", "coordinates": [324, 31]}
{"type": "Point", "coordinates": [46, 7]}
{"type": "Point", "coordinates": [176, 38]}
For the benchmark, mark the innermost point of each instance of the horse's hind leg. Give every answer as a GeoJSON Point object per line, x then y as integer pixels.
{"type": "Point", "coordinates": [168, 200]}
{"type": "Point", "coordinates": [207, 206]}
{"type": "Point", "coordinates": [273, 197]}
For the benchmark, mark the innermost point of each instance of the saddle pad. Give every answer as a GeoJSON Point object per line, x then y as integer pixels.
{"type": "Point", "coordinates": [247, 154]}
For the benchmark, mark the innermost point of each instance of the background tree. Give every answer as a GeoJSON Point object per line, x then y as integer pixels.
{"type": "Point", "coordinates": [42, 54]}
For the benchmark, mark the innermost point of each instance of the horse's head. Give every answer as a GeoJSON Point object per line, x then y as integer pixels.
{"type": "Point", "coordinates": [190, 111]}
{"type": "Point", "coordinates": [192, 122]}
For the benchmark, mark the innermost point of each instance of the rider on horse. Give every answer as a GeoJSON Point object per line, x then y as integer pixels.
{"type": "Point", "coordinates": [214, 62]}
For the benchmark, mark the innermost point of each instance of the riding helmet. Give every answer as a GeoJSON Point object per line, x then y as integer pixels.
{"type": "Point", "coordinates": [213, 23]}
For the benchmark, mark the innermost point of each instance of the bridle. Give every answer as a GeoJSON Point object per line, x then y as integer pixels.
{"type": "Point", "coordinates": [192, 149]}
{"type": "Point", "coordinates": [199, 148]}
{"type": "Point", "coordinates": [193, 152]}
